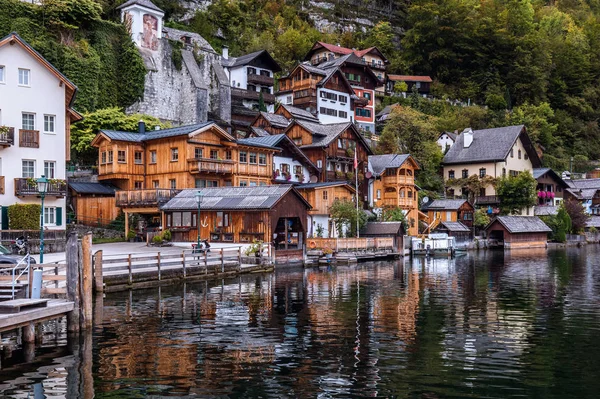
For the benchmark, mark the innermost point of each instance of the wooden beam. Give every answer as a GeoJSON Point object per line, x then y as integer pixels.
{"type": "Point", "coordinates": [87, 280]}
{"type": "Point", "coordinates": [72, 258]}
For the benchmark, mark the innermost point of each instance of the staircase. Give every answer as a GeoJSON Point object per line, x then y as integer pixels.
{"type": "Point", "coordinates": [6, 291]}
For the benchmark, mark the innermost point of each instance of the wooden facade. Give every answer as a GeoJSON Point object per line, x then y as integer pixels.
{"type": "Point", "coordinates": [262, 122]}
{"type": "Point", "coordinates": [496, 231]}
{"type": "Point", "coordinates": [94, 209]}
{"type": "Point", "coordinates": [321, 197]}
{"type": "Point", "coordinates": [463, 214]}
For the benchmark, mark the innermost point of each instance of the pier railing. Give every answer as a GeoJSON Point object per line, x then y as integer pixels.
{"type": "Point", "coordinates": [352, 244]}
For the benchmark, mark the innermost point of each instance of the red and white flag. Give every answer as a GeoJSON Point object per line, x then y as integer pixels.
{"type": "Point", "coordinates": [355, 160]}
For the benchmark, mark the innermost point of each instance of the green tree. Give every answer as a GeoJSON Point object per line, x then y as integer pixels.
{"type": "Point", "coordinates": [400, 87]}
{"type": "Point", "coordinates": [345, 216]}
{"type": "Point", "coordinates": [481, 218]}
{"type": "Point", "coordinates": [395, 214]}
{"type": "Point", "coordinates": [577, 214]}
{"type": "Point", "coordinates": [261, 103]}
{"type": "Point", "coordinates": [516, 193]}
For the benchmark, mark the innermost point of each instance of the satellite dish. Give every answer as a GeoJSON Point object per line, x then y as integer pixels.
{"type": "Point", "coordinates": [425, 200]}
{"type": "Point", "coordinates": [313, 179]}
{"type": "Point", "coordinates": [368, 175]}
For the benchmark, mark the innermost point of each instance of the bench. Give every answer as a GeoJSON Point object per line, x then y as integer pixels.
{"type": "Point", "coordinates": [16, 305]}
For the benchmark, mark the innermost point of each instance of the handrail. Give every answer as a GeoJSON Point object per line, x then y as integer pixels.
{"type": "Point", "coordinates": [26, 269]}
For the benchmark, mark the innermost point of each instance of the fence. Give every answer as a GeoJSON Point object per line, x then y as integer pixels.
{"type": "Point", "coordinates": [20, 276]}
{"type": "Point", "coordinates": [352, 244]}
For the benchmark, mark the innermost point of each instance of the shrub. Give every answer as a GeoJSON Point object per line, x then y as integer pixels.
{"type": "Point", "coordinates": [157, 239]}
{"type": "Point", "coordinates": [24, 216]}
{"type": "Point", "coordinates": [254, 248]}
{"type": "Point", "coordinates": [166, 235]}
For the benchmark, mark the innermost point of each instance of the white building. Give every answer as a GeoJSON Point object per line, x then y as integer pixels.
{"type": "Point", "coordinates": [446, 140]}
{"type": "Point", "coordinates": [35, 119]}
{"type": "Point", "coordinates": [144, 20]}
{"type": "Point", "coordinates": [333, 106]}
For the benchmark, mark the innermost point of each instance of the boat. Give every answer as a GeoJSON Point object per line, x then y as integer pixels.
{"type": "Point", "coordinates": [438, 244]}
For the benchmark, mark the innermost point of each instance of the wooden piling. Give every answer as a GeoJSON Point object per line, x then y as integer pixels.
{"type": "Point", "coordinates": [87, 281]}
{"type": "Point", "coordinates": [222, 262]}
{"type": "Point", "coordinates": [98, 278]}
{"type": "Point", "coordinates": [29, 333]}
{"type": "Point", "coordinates": [183, 263]}
{"type": "Point", "coordinates": [72, 260]}
{"type": "Point", "coordinates": [158, 264]}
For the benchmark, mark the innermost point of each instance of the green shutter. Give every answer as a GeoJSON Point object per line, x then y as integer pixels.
{"type": "Point", "coordinates": [4, 216]}
{"type": "Point", "coordinates": [59, 216]}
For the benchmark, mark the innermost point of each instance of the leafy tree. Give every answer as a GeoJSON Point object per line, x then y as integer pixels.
{"type": "Point", "coordinates": [400, 87]}
{"type": "Point", "coordinates": [345, 216]}
{"type": "Point", "coordinates": [480, 218]}
{"type": "Point", "coordinates": [577, 214]}
{"type": "Point", "coordinates": [516, 193]}
{"type": "Point", "coordinates": [395, 214]}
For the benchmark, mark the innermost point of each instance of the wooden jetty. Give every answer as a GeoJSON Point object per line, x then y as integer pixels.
{"type": "Point", "coordinates": [351, 250]}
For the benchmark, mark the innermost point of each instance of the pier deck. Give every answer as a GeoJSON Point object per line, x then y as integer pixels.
{"type": "Point", "coordinates": [54, 308]}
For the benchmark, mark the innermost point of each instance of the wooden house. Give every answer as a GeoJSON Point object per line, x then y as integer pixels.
{"type": "Point", "coordinates": [550, 187]}
{"type": "Point", "coordinates": [290, 112]}
{"type": "Point", "coordinates": [321, 196]}
{"type": "Point", "coordinates": [449, 210]}
{"type": "Point", "coordinates": [240, 215]}
{"type": "Point", "coordinates": [421, 83]}
{"type": "Point", "coordinates": [392, 185]}
{"type": "Point", "coordinates": [149, 167]}
{"type": "Point", "coordinates": [518, 232]}
{"type": "Point", "coordinates": [268, 123]}
{"type": "Point", "coordinates": [454, 229]}
{"type": "Point", "coordinates": [93, 203]}
{"type": "Point", "coordinates": [386, 229]}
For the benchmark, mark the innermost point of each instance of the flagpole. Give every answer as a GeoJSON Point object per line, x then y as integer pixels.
{"type": "Point", "coordinates": [356, 182]}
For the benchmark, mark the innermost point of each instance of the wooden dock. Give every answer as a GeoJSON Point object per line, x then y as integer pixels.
{"type": "Point", "coordinates": [30, 311]}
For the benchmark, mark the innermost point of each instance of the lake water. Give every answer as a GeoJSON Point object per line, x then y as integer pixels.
{"type": "Point", "coordinates": [484, 325]}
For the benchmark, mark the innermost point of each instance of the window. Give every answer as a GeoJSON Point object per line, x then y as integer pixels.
{"type": "Point", "coordinates": [138, 185]}
{"type": "Point", "coordinates": [519, 154]}
{"type": "Point", "coordinates": [174, 154]}
{"type": "Point", "coordinates": [328, 111]}
{"type": "Point", "coordinates": [298, 140]}
{"type": "Point", "coordinates": [153, 156]}
{"type": "Point", "coordinates": [410, 194]}
{"type": "Point", "coordinates": [288, 100]}
{"type": "Point", "coordinates": [49, 123]}
{"type": "Point", "coordinates": [378, 194]}
{"type": "Point", "coordinates": [262, 159]}
{"type": "Point", "coordinates": [2, 74]}
{"type": "Point", "coordinates": [285, 168]}
{"type": "Point", "coordinates": [28, 168]}
{"type": "Point", "coordinates": [222, 219]}
{"type": "Point", "coordinates": [366, 113]}
{"type": "Point", "coordinates": [103, 157]}
{"type": "Point", "coordinates": [173, 184]}
{"type": "Point", "coordinates": [49, 215]}
{"type": "Point", "coordinates": [526, 156]}
{"type": "Point", "coordinates": [513, 173]}
{"type": "Point", "coordinates": [324, 195]}
{"type": "Point", "coordinates": [243, 183]}
{"type": "Point", "coordinates": [465, 173]}
{"type": "Point", "coordinates": [138, 158]}
{"type": "Point", "coordinates": [198, 153]}
{"type": "Point", "coordinates": [450, 174]}
{"type": "Point", "coordinates": [468, 216]}
{"type": "Point", "coordinates": [343, 99]}
{"type": "Point", "coordinates": [49, 169]}
{"type": "Point", "coordinates": [155, 184]}
{"type": "Point", "coordinates": [319, 163]}
{"type": "Point", "coordinates": [24, 77]}
{"type": "Point", "coordinates": [251, 87]}
{"type": "Point", "coordinates": [252, 158]}
{"type": "Point", "coordinates": [243, 157]}
{"type": "Point", "coordinates": [329, 166]}
{"type": "Point", "coordinates": [28, 121]}
{"type": "Point", "coordinates": [329, 96]}
{"type": "Point", "coordinates": [265, 73]}
{"type": "Point", "coordinates": [343, 114]}
{"type": "Point", "coordinates": [340, 143]}
{"type": "Point", "coordinates": [367, 96]}
{"type": "Point", "coordinates": [251, 71]}
{"type": "Point", "coordinates": [482, 172]}
{"type": "Point", "coordinates": [214, 154]}
{"type": "Point", "coordinates": [512, 153]}
{"type": "Point", "coordinates": [121, 158]}
{"type": "Point", "coordinates": [252, 183]}
{"type": "Point", "coordinates": [228, 154]}
{"type": "Point", "coordinates": [110, 156]}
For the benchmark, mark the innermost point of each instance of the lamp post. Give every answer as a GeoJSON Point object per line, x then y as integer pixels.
{"type": "Point", "coordinates": [42, 187]}
{"type": "Point", "coordinates": [198, 201]}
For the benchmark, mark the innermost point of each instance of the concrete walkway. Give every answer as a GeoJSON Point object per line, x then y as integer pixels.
{"type": "Point", "coordinates": [124, 248]}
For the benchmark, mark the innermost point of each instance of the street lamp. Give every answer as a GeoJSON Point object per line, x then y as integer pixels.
{"type": "Point", "coordinates": [42, 187]}
{"type": "Point", "coordinates": [198, 201]}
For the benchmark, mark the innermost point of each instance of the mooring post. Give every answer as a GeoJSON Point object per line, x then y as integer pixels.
{"type": "Point", "coordinates": [29, 333]}
{"type": "Point", "coordinates": [72, 259]}
{"type": "Point", "coordinates": [129, 268]}
{"type": "Point", "coordinates": [87, 280]}
{"type": "Point", "coordinates": [183, 262]}
{"type": "Point", "coordinates": [98, 278]}
{"type": "Point", "coordinates": [158, 260]}
{"type": "Point", "coordinates": [222, 262]}
{"type": "Point", "coordinates": [239, 259]}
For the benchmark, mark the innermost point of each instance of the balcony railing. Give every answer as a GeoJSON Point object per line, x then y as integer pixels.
{"type": "Point", "coordinates": [376, 65]}
{"type": "Point", "coordinates": [260, 79]}
{"type": "Point", "coordinates": [7, 139]}
{"type": "Point", "coordinates": [395, 180]}
{"type": "Point", "coordinates": [2, 184]}
{"type": "Point", "coordinates": [487, 200]}
{"type": "Point", "coordinates": [215, 166]}
{"type": "Point", "coordinates": [28, 187]}
{"type": "Point", "coordinates": [29, 138]}
{"type": "Point", "coordinates": [150, 197]}
{"type": "Point", "coordinates": [252, 95]}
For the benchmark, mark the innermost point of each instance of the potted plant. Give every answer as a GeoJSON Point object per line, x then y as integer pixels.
{"type": "Point", "coordinates": [350, 176]}
{"type": "Point", "coordinates": [350, 153]}
{"type": "Point", "coordinates": [131, 235]}
{"type": "Point", "coordinates": [328, 252]}
{"type": "Point", "coordinates": [339, 174]}
{"type": "Point", "coordinates": [157, 239]}
{"type": "Point", "coordinates": [254, 249]}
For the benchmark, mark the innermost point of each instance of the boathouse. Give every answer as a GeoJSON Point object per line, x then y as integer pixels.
{"type": "Point", "coordinates": [518, 232]}
{"type": "Point", "coordinates": [386, 229]}
{"type": "Point", "coordinates": [275, 214]}
{"type": "Point", "coordinates": [457, 230]}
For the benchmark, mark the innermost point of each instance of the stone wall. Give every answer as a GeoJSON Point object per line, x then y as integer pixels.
{"type": "Point", "coordinates": [96, 231]}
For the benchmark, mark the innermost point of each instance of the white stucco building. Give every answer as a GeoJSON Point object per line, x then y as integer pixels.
{"type": "Point", "coordinates": [35, 118]}
{"type": "Point", "coordinates": [333, 106]}
{"type": "Point", "coordinates": [144, 20]}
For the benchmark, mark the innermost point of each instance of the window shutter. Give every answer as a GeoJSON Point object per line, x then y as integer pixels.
{"type": "Point", "coordinates": [4, 216]}
{"type": "Point", "coordinates": [59, 216]}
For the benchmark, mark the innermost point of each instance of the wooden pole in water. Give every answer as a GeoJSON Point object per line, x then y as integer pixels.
{"type": "Point", "coordinates": [72, 255]}
{"type": "Point", "coordinates": [98, 277]}
{"type": "Point", "coordinates": [87, 280]}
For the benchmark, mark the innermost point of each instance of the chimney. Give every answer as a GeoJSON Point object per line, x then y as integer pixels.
{"type": "Point", "coordinates": [141, 127]}
{"type": "Point", "coordinates": [468, 137]}
{"type": "Point", "coordinates": [225, 52]}
{"type": "Point", "coordinates": [156, 127]}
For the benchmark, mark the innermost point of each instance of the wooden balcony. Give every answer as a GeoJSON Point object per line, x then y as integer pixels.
{"type": "Point", "coordinates": [207, 165]}
{"type": "Point", "coordinates": [487, 200]}
{"type": "Point", "coordinates": [376, 65]}
{"type": "Point", "coordinates": [29, 138]}
{"type": "Point", "coordinates": [254, 170]}
{"type": "Point", "coordinates": [155, 197]}
{"type": "Point", "coordinates": [28, 187]}
{"type": "Point", "coordinates": [2, 184]}
{"type": "Point", "coordinates": [252, 95]}
{"type": "Point", "coordinates": [7, 139]}
{"type": "Point", "coordinates": [260, 79]}
{"type": "Point", "coordinates": [398, 180]}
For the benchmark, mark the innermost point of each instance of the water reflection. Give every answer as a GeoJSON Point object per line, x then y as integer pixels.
{"type": "Point", "coordinates": [491, 324]}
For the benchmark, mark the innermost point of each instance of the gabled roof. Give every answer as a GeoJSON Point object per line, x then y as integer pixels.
{"type": "Point", "coordinates": [456, 227]}
{"type": "Point", "coordinates": [539, 172]}
{"type": "Point", "coordinates": [143, 3]}
{"type": "Point", "coordinates": [445, 204]}
{"type": "Point", "coordinates": [583, 183]}
{"type": "Point", "coordinates": [280, 141]}
{"type": "Point", "coordinates": [232, 198]}
{"type": "Point", "coordinates": [311, 186]}
{"type": "Point", "coordinates": [93, 188]}
{"type": "Point", "coordinates": [259, 132]}
{"type": "Point", "coordinates": [348, 59]}
{"type": "Point", "coordinates": [490, 145]}
{"type": "Point", "coordinates": [265, 141]}
{"type": "Point", "coordinates": [583, 193]}
{"type": "Point", "coordinates": [71, 89]}
{"type": "Point", "coordinates": [382, 229]}
{"type": "Point", "coordinates": [452, 135]}
{"type": "Point", "coordinates": [521, 224]}
{"type": "Point", "coordinates": [327, 73]}
{"type": "Point", "coordinates": [379, 163]}
{"type": "Point", "coordinates": [298, 113]}
{"type": "Point", "coordinates": [234, 62]}
{"type": "Point", "coordinates": [409, 78]}
{"type": "Point", "coordinates": [324, 135]}
{"type": "Point", "coordinates": [545, 210]}
{"type": "Point", "coordinates": [344, 50]}
{"type": "Point", "coordinates": [159, 134]}
{"type": "Point", "coordinates": [275, 120]}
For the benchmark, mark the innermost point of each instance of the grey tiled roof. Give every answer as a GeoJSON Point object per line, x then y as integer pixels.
{"type": "Point", "coordinates": [522, 224]}
{"type": "Point", "coordinates": [276, 119]}
{"type": "Point", "coordinates": [593, 221]}
{"type": "Point", "coordinates": [265, 141]}
{"type": "Point", "coordinates": [92, 188]}
{"type": "Point", "coordinates": [153, 134]}
{"type": "Point", "coordinates": [583, 194]}
{"type": "Point", "coordinates": [382, 229]}
{"type": "Point", "coordinates": [231, 198]}
{"type": "Point", "coordinates": [145, 3]}
{"type": "Point", "coordinates": [446, 204]}
{"type": "Point", "coordinates": [584, 183]}
{"type": "Point", "coordinates": [177, 34]}
{"type": "Point", "coordinates": [323, 135]}
{"type": "Point", "coordinates": [379, 163]}
{"type": "Point", "coordinates": [545, 210]}
{"type": "Point", "coordinates": [539, 172]}
{"type": "Point", "coordinates": [456, 227]}
{"type": "Point", "coordinates": [323, 184]}
{"type": "Point", "coordinates": [299, 113]}
{"type": "Point", "coordinates": [488, 145]}
{"type": "Point", "coordinates": [245, 59]}
{"type": "Point", "coordinates": [260, 132]}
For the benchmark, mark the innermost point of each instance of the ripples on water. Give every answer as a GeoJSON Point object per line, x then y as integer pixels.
{"type": "Point", "coordinates": [521, 324]}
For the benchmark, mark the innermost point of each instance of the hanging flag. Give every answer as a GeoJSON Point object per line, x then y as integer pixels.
{"type": "Point", "coordinates": [355, 159]}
